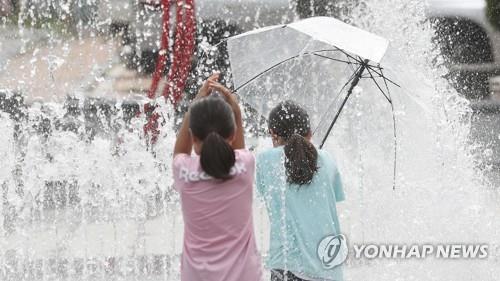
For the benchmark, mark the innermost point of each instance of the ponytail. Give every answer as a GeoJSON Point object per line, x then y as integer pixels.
{"type": "Point", "coordinates": [217, 156]}
{"type": "Point", "coordinates": [212, 121]}
{"type": "Point", "coordinates": [301, 160]}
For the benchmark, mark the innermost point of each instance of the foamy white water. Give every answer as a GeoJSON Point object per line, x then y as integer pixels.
{"type": "Point", "coordinates": [440, 196]}
{"type": "Point", "coordinates": [123, 220]}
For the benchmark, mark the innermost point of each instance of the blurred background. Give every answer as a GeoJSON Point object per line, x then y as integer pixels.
{"type": "Point", "coordinates": [109, 48]}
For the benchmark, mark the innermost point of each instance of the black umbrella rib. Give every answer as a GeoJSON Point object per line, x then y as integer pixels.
{"type": "Point", "coordinates": [389, 98]}
{"type": "Point", "coordinates": [359, 73]}
{"type": "Point", "coordinates": [382, 75]}
{"type": "Point", "coordinates": [351, 66]}
{"type": "Point", "coordinates": [264, 72]}
{"type": "Point", "coordinates": [395, 134]}
{"type": "Point", "coordinates": [358, 60]}
{"type": "Point", "coordinates": [337, 50]}
{"type": "Point", "coordinates": [272, 67]}
{"type": "Point", "coordinates": [378, 86]}
{"type": "Point", "coordinates": [335, 99]}
{"type": "Point", "coordinates": [333, 59]}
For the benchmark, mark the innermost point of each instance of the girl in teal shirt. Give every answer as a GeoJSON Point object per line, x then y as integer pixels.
{"type": "Point", "coordinates": [300, 186]}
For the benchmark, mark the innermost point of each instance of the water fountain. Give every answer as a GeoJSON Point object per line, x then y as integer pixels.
{"type": "Point", "coordinates": [84, 198]}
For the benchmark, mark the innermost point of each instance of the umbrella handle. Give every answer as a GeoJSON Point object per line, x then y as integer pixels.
{"type": "Point", "coordinates": [354, 83]}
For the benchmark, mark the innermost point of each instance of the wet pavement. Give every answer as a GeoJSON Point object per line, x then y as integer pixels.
{"type": "Point", "coordinates": [88, 67]}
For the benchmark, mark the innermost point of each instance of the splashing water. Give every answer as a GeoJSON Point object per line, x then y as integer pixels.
{"type": "Point", "coordinates": [83, 203]}
{"type": "Point", "coordinates": [440, 197]}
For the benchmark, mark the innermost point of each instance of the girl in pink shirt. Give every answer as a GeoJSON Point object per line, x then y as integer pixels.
{"type": "Point", "coordinates": [216, 192]}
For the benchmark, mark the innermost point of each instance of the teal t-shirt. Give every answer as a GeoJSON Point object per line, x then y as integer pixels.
{"type": "Point", "coordinates": [310, 213]}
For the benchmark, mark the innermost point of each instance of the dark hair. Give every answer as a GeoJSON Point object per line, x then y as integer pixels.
{"type": "Point", "coordinates": [291, 122]}
{"type": "Point", "coordinates": [212, 121]}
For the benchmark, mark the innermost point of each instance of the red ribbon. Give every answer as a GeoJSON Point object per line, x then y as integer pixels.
{"type": "Point", "coordinates": [182, 56]}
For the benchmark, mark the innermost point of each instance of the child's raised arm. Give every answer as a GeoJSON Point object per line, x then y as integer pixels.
{"type": "Point", "coordinates": [232, 100]}
{"type": "Point", "coordinates": [184, 143]}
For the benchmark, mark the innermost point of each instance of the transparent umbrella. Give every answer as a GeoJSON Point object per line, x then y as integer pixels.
{"type": "Point", "coordinates": [316, 62]}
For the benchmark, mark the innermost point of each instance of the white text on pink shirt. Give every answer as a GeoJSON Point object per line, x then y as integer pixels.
{"type": "Point", "coordinates": [194, 176]}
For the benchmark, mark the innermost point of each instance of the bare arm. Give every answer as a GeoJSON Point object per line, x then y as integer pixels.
{"type": "Point", "coordinates": [184, 143]}
{"type": "Point", "coordinates": [232, 100]}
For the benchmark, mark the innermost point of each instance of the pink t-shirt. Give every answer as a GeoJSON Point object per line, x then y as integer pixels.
{"type": "Point", "coordinates": [219, 240]}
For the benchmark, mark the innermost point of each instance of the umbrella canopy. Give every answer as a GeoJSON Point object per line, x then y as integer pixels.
{"type": "Point", "coordinates": [255, 51]}
{"type": "Point", "coordinates": [317, 62]}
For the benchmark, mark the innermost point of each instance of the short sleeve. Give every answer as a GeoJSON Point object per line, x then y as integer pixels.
{"type": "Point", "coordinates": [180, 161]}
{"type": "Point", "coordinates": [247, 158]}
